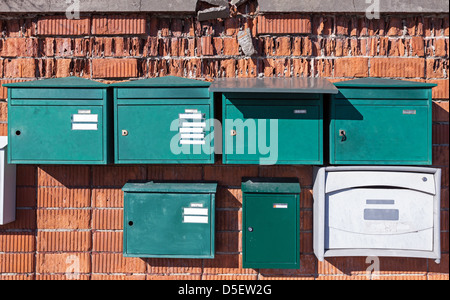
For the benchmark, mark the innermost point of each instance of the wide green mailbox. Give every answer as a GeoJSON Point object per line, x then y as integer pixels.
{"type": "Point", "coordinates": [167, 120]}
{"type": "Point", "coordinates": [171, 220]}
{"type": "Point", "coordinates": [272, 120]}
{"type": "Point", "coordinates": [59, 121]}
{"type": "Point", "coordinates": [381, 121]}
{"type": "Point", "coordinates": [271, 223]}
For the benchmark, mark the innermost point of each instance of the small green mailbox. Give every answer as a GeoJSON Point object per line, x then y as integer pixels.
{"type": "Point", "coordinates": [381, 121]}
{"type": "Point", "coordinates": [59, 121]}
{"type": "Point", "coordinates": [167, 120]}
{"type": "Point", "coordinates": [271, 223]}
{"type": "Point", "coordinates": [171, 220]}
{"type": "Point", "coordinates": [272, 121]}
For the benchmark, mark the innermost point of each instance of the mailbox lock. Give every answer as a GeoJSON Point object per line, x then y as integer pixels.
{"type": "Point", "coordinates": [18, 132]}
{"type": "Point", "coordinates": [342, 133]}
{"type": "Point", "coordinates": [124, 132]}
{"type": "Point", "coordinates": [233, 133]}
{"type": "Point", "coordinates": [130, 223]}
{"type": "Point", "coordinates": [424, 179]}
{"type": "Point", "coordinates": [250, 229]}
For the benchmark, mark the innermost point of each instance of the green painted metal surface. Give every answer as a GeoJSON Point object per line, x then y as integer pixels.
{"type": "Point", "coordinates": [162, 223]}
{"type": "Point", "coordinates": [271, 225]}
{"type": "Point", "coordinates": [59, 121]}
{"type": "Point", "coordinates": [272, 129]}
{"type": "Point", "coordinates": [150, 118]}
{"type": "Point", "coordinates": [381, 121]}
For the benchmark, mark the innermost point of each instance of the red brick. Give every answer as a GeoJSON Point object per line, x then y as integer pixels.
{"type": "Point", "coordinates": [440, 134]}
{"type": "Point", "coordinates": [60, 25]}
{"type": "Point", "coordinates": [26, 196]}
{"type": "Point", "coordinates": [228, 220]}
{"type": "Point", "coordinates": [247, 68]}
{"type": "Point", "coordinates": [226, 264]}
{"type": "Point", "coordinates": [441, 47]}
{"type": "Point", "coordinates": [66, 241]}
{"type": "Point", "coordinates": [351, 67]}
{"type": "Point", "coordinates": [323, 67]}
{"type": "Point", "coordinates": [107, 219]}
{"type": "Point", "coordinates": [227, 68]}
{"type": "Point", "coordinates": [227, 241]}
{"type": "Point", "coordinates": [19, 47]}
{"type": "Point", "coordinates": [63, 176]}
{"type": "Point", "coordinates": [437, 68]}
{"type": "Point", "coordinates": [284, 24]}
{"type": "Point", "coordinates": [118, 277]}
{"type": "Point", "coordinates": [395, 26]}
{"type": "Point", "coordinates": [64, 218]}
{"type": "Point", "coordinates": [69, 263]}
{"type": "Point", "coordinates": [440, 155]}
{"type": "Point", "coordinates": [414, 25]}
{"type": "Point", "coordinates": [115, 68]}
{"type": "Point", "coordinates": [231, 26]}
{"type": "Point", "coordinates": [20, 68]}
{"type": "Point", "coordinates": [116, 263]}
{"type": "Point", "coordinates": [397, 67]}
{"type": "Point", "coordinates": [308, 265]}
{"type": "Point", "coordinates": [230, 46]}
{"type": "Point", "coordinates": [17, 242]}
{"type": "Point", "coordinates": [68, 276]}
{"type": "Point", "coordinates": [108, 197]}
{"type": "Point", "coordinates": [117, 176]}
{"type": "Point", "coordinates": [63, 197]}
{"type": "Point", "coordinates": [302, 67]}
{"type": "Point", "coordinates": [25, 219]}
{"type": "Point", "coordinates": [107, 241]}
{"type": "Point", "coordinates": [16, 262]}
{"type": "Point", "coordinates": [341, 266]}
{"type": "Point", "coordinates": [118, 24]}
{"type": "Point", "coordinates": [174, 266]}
{"type": "Point", "coordinates": [322, 25]}
{"type": "Point", "coordinates": [417, 46]}
{"type": "Point", "coordinates": [441, 111]}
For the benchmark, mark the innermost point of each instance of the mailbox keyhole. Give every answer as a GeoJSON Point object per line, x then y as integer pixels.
{"type": "Point", "coordinates": [18, 132]}
{"type": "Point", "coordinates": [130, 223]}
{"type": "Point", "coordinates": [343, 135]}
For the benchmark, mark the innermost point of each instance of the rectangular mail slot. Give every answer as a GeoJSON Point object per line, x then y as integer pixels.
{"type": "Point", "coordinates": [271, 223]}
{"type": "Point", "coordinates": [173, 220]}
{"type": "Point", "coordinates": [272, 120]}
{"type": "Point", "coordinates": [377, 211]}
{"type": "Point", "coordinates": [167, 120]}
{"type": "Point", "coordinates": [7, 185]}
{"type": "Point", "coordinates": [381, 122]}
{"type": "Point", "coordinates": [59, 121]}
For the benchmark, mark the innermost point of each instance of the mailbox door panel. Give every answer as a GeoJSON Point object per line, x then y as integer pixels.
{"type": "Point", "coordinates": [379, 219]}
{"type": "Point", "coordinates": [271, 231]}
{"type": "Point", "coordinates": [388, 134]}
{"type": "Point", "coordinates": [153, 134]}
{"type": "Point", "coordinates": [170, 225]}
{"type": "Point", "coordinates": [57, 134]}
{"type": "Point", "coordinates": [269, 134]}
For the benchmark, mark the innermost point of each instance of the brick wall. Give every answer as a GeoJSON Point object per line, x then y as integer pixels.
{"type": "Point", "coordinates": [70, 214]}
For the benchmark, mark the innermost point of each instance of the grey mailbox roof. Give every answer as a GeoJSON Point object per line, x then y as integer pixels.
{"type": "Point", "coordinates": [273, 85]}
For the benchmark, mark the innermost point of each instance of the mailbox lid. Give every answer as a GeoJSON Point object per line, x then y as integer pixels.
{"type": "Point", "coordinates": [270, 186]}
{"type": "Point", "coordinates": [176, 187]}
{"type": "Point", "coordinates": [174, 225]}
{"type": "Point", "coordinates": [57, 89]}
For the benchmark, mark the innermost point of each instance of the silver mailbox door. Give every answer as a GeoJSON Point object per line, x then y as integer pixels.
{"type": "Point", "coordinates": [379, 218]}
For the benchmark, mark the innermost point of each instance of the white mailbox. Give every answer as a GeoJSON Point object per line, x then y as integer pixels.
{"type": "Point", "coordinates": [377, 211]}
{"type": "Point", "coordinates": [7, 186]}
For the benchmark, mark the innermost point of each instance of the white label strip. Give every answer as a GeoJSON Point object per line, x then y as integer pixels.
{"type": "Point", "coordinates": [300, 111]}
{"type": "Point", "coordinates": [192, 136]}
{"type": "Point", "coordinates": [191, 116]}
{"type": "Point", "coordinates": [193, 124]}
{"type": "Point", "coordinates": [280, 205]}
{"type": "Point", "coordinates": [192, 142]}
{"type": "Point", "coordinates": [85, 118]}
{"type": "Point", "coordinates": [191, 111]}
{"type": "Point", "coordinates": [196, 205]}
{"type": "Point", "coordinates": [84, 126]}
{"type": "Point", "coordinates": [195, 211]}
{"type": "Point", "coordinates": [409, 112]}
{"type": "Point", "coordinates": [192, 130]}
{"type": "Point", "coordinates": [195, 219]}
{"type": "Point", "coordinates": [84, 111]}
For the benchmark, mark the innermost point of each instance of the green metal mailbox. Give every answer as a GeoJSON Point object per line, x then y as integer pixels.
{"type": "Point", "coordinates": [271, 223]}
{"type": "Point", "coordinates": [381, 121]}
{"type": "Point", "coordinates": [59, 121]}
{"type": "Point", "coordinates": [272, 120]}
{"type": "Point", "coordinates": [167, 120]}
{"type": "Point", "coordinates": [171, 220]}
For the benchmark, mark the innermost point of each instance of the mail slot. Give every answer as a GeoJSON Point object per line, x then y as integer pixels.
{"type": "Point", "coordinates": [7, 185]}
{"type": "Point", "coordinates": [272, 120]}
{"type": "Point", "coordinates": [271, 223]}
{"type": "Point", "coordinates": [377, 211]}
{"type": "Point", "coordinates": [381, 122]}
{"type": "Point", "coordinates": [59, 121]}
{"type": "Point", "coordinates": [166, 120]}
{"type": "Point", "coordinates": [172, 220]}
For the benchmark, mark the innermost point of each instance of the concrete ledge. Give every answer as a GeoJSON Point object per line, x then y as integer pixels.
{"type": "Point", "coordinates": [354, 6]}
{"type": "Point", "coordinates": [41, 6]}
{"type": "Point", "coordinates": [189, 6]}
